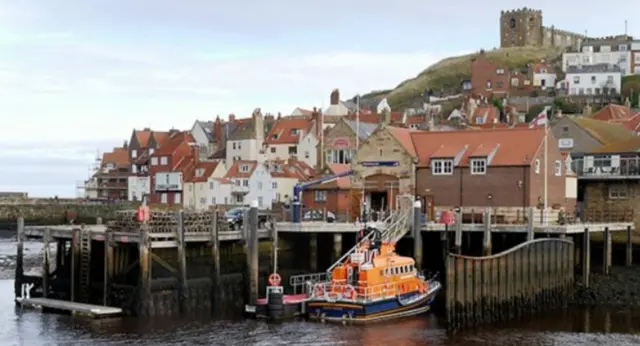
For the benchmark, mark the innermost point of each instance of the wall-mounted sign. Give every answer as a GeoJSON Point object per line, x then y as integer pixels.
{"type": "Point", "coordinates": [341, 142]}
{"type": "Point", "coordinates": [565, 143]}
{"type": "Point", "coordinates": [380, 163]}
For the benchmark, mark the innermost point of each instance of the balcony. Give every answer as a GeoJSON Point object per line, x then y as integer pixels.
{"type": "Point", "coordinates": [241, 189]}
{"type": "Point", "coordinates": [612, 167]}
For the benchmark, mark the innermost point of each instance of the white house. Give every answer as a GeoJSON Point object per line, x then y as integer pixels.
{"type": "Point", "coordinates": [219, 191]}
{"type": "Point", "coordinates": [247, 139]}
{"type": "Point", "coordinates": [285, 175]}
{"type": "Point", "coordinates": [612, 52]}
{"type": "Point", "coordinates": [196, 187]}
{"type": "Point", "coordinates": [292, 138]}
{"type": "Point", "coordinates": [543, 76]}
{"type": "Point", "coordinates": [250, 180]}
{"type": "Point", "coordinates": [593, 79]}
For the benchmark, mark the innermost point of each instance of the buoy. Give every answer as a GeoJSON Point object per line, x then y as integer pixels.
{"type": "Point", "coordinates": [318, 290]}
{"type": "Point", "coordinates": [143, 214]}
{"type": "Point", "coordinates": [274, 279]}
{"type": "Point", "coordinates": [350, 292]}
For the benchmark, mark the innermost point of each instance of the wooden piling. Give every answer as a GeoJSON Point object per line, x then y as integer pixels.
{"type": "Point", "coordinates": [313, 252]}
{"type": "Point", "coordinates": [486, 236]}
{"type": "Point", "coordinates": [606, 256]}
{"type": "Point", "coordinates": [530, 229]}
{"type": "Point", "coordinates": [182, 262]}
{"type": "Point", "coordinates": [46, 239]}
{"type": "Point", "coordinates": [60, 254]}
{"type": "Point", "coordinates": [457, 243]}
{"type": "Point", "coordinates": [253, 253]}
{"type": "Point", "coordinates": [145, 301]}
{"type": "Point", "coordinates": [417, 234]}
{"type": "Point", "coordinates": [108, 267]}
{"type": "Point", "coordinates": [19, 276]}
{"type": "Point", "coordinates": [629, 254]}
{"type": "Point", "coordinates": [75, 263]}
{"type": "Point", "coordinates": [215, 257]}
{"type": "Point", "coordinates": [586, 257]}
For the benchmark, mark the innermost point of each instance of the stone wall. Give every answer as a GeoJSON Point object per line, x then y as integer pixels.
{"type": "Point", "coordinates": [597, 203]}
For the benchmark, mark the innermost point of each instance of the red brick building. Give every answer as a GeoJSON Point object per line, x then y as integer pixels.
{"type": "Point", "coordinates": [166, 163]}
{"type": "Point", "coordinates": [335, 196]}
{"type": "Point", "coordinates": [489, 78]}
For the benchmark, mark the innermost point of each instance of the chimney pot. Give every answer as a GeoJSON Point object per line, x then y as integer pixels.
{"type": "Point", "coordinates": [335, 97]}
{"type": "Point", "coordinates": [232, 117]}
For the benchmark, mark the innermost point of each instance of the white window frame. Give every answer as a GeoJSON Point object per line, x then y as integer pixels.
{"type": "Point", "coordinates": [177, 198]}
{"type": "Point", "coordinates": [320, 196]}
{"type": "Point", "coordinates": [558, 167]}
{"type": "Point", "coordinates": [618, 191]}
{"type": "Point", "coordinates": [478, 166]}
{"type": "Point", "coordinates": [154, 161]}
{"type": "Point", "coordinates": [244, 168]}
{"type": "Point", "coordinates": [274, 185]}
{"type": "Point", "coordinates": [442, 167]}
{"type": "Point", "coordinates": [163, 198]}
{"type": "Point", "coordinates": [164, 160]}
{"type": "Point", "coordinates": [537, 166]}
{"type": "Point", "coordinates": [134, 154]}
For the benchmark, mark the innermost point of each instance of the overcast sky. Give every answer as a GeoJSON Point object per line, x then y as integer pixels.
{"type": "Point", "coordinates": [77, 75]}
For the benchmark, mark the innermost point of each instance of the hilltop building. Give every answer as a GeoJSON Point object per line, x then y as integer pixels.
{"type": "Point", "coordinates": [523, 27]}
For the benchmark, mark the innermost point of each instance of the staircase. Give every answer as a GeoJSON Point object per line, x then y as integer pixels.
{"type": "Point", "coordinates": [85, 266]}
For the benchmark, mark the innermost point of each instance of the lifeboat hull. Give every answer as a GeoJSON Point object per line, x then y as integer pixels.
{"type": "Point", "coordinates": [344, 311]}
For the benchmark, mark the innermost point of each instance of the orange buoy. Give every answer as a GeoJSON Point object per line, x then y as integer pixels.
{"type": "Point", "coordinates": [143, 214]}
{"type": "Point", "coordinates": [274, 279]}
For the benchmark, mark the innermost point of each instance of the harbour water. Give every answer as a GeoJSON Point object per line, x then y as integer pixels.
{"type": "Point", "coordinates": [568, 327]}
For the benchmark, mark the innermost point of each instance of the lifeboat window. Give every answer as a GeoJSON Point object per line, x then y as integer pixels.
{"type": "Point", "coordinates": [382, 273]}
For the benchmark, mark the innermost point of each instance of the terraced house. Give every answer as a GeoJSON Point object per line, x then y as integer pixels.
{"type": "Point", "coordinates": [246, 140]}
{"type": "Point", "coordinates": [294, 137]}
{"type": "Point", "coordinates": [141, 145]}
{"type": "Point", "coordinates": [165, 167]}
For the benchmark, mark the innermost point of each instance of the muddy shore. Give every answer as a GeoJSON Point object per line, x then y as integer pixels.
{"type": "Point", "coordinates": [619, 289]}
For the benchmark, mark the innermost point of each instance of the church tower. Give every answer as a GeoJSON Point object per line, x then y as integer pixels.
{"type": "Point", "coordinates": [522, 27]}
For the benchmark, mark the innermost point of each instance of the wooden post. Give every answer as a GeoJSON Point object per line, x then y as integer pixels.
{"type": "Point", "coordinates": [60, 254]}
{"type": "Point", "coordinates": [530, 228]}
{"type": "Point", "coordinates": [75, 262]}
{"type": "Point", "coordinates": [108, 267]}
{"type": "Point", "coordinates": [182, 261]}
{"type": "Point", "coordinates": [457, 243]}
{"type": "Point", "coordinates": [629, 257]}
{"type": "Point", "coordinates": [486, 237]}
{"type": "Point", "coordinates": [144, 260]}
{"type": "Point", "coordinates": [586, 257]}
{"type": "Point", "coordinates": [274, 245]}
{"type": "Point", "coordinates": [45, 262]}
{"type": "Point", "coordinates": [253, 253]}
{"type": "Point", "coordinates": [19, 276]}
{"type": "Point", "coordinates": [606, 258]}
{"type": "Point", "coordinates": [215, 257]}
{"type": "Point", "coordinates": [417, 234]}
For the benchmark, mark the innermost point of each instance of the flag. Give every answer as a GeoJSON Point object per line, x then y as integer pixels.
{"type": "Point", "coordinates": [540, 119]}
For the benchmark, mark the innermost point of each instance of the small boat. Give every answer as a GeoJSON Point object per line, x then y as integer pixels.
{"type": "Point", "coordinates": [277, 305]}
{"type": "Point", "coordinates": [374, 283]}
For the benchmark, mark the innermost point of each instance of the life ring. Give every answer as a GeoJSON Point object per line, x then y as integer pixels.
{"type": "Point", "coordinates": [350, 292]}
{"type": "Point", "coordinates": [318, 290]}
{"type": "Point", "coordinates": [275, 279]}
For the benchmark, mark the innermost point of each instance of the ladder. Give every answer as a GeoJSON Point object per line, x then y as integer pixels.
{"type": "Point", "coordinates": [85, 265]}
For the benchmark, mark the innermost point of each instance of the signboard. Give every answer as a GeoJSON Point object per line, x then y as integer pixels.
{"type": "Point", "coordinates": [341, 142]}
{"type": "Point", "coordinates": [565, 143]}
{"type": "Point", "coordinates": [380, 163]}
{"type": "Point", "coordinates": [168, 181]}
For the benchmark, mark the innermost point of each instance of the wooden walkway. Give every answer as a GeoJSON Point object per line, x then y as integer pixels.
{"type": "Point", "coordinates": [95, 311]}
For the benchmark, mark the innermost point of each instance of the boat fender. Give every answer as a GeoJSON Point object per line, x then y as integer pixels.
{"type": "Point", "coordinates": [318, 290]}
{"type": "Point", "coordinates": [275, 279]}
{"type": "Point", "coordinates": [350, 292]}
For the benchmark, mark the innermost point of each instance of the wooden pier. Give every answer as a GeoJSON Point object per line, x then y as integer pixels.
{"type": "Point", "coordinates": [78, 309]}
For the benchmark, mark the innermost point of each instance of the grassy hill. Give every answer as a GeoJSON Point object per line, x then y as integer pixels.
{"type": "Point", "coordinates": [448, 73]}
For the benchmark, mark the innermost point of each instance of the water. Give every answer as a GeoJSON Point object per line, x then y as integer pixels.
{"type": "Point", "coordinates": [566, 328]}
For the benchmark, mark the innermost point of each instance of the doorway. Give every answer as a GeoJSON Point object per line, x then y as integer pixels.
{"type": "Point", "coordinates": [378, 200]}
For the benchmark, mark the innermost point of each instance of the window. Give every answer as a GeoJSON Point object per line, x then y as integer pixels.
{"type": "Point", "coordinates": [203, 200]}
{"type": "Point", "coordinates": [151, 151]}
{"type": "Point", "coordinates": [500, 71]}
{"type": "Point", "coordinates": [234, 145]}
{"type": "Point", "coordinates": [597, 91]}
{"type": "Point", "coordinates": [294, 132]}
{"type": "Point", "coordinates": [164, 160]}
{"type": "Point", "coordinates": [239, 199]}
{"type": "Point", "coordinates": [442, 167]}
{"type": "Point", "coordinates": [293, 150]}
{"type": "Point", "coordinates": [274, 136]}
{"type": "Point", "coordinates": [618, 191]}
{"type": "Point", "coordinates": [558, 168]}
{"type": "Point", "coordinates": [320, 196]}
{"type": "Point", "coordinates": [306, 154]}
{"type": "Point", "coordinates": [380, 151]}
{"type": "Point", "coordinates": [211, 185]}
{"type": "Point", "coordinates": [134, 153]}
{"type": "Point", "coordinates": [213, 200]}
{"type": "Point", "coordinates": [622, 47]}
{"type": "Point", "coordinates": [414, 126]}
{"type": "Point", "coordinates": [134, 169]}
{"type": "Point", "coordinates": [581, 91]}
{"type": "Point", "coordinates": [163, 198]}
{"type": "Point", "coordinates": [515, 81]}
{"type": "Point", "coordinates": [576, 80]}
{"type": "Point", "coordinates": [512, 23]}
{"type": "Point", "coordinates": [273, 150]}
{"type": "Point", "coordinates": [244, 168]}
{"type": "Point", "coordinates": [342, 156]}
{"type": "Point", "coordinates": [478, 166]}
{"type": "Point", "coordinates": [274, 185]}
{"type": "Point", "coordinates": [260, 201]}
{"type": "Point", "coordinates": [537, 166]}
{"type": "Point", "coordinates": [154, 161]}
{"type": "Point", "coordinates": [259, 185]}
{"type": "Point", "coordinates": [479, 120]}
{"type": "Point", "coordinates": [488, 84]}
{"type": "Point", "coordinates": [593, 79]}
{"type": "Point", "coordinates": [245, 182]}
{"type": "Point", "coordinates": [177, 198]}
{"type": "Point", "coordinates": [589, 90]}
{"type": "Point", "coordinates": [637, 58]}
{"type": "Point", "coordinates": [609, 79]}
{"type": "Point", "coordinates": [543, 70]}
{"type": "Point", "coordinates": [500, 84]}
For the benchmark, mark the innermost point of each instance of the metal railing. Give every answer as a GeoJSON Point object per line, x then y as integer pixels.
{"type": "Point", "coordinates": [606, 167]}
{"type": "Point", "coordinates": [332, 291]}
{"type": "Point", "coordinates": [302, 283]}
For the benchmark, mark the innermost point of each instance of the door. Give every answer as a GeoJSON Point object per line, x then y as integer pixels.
{"type": "Point", "coordinates": [429, 207]}
{"type": "Point", "coordinates": [354, 205]}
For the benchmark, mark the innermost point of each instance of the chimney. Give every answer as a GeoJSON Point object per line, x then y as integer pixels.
{"type": "Point", "coordinates": [218, 130]}
{"type": "Point", "coordinates": [232, 118]}
{"type": "Point", "coordinates": [316, 116]}
{"type": "Point", "coordinates": [385, 118]}
{"type": "Point", "coordinates": [279, 115]}
{"type": "Point", "coordinates": [147, 129]}
{"type": "Point", "coordinates": [258, 126]}
{"type": "Point", "coordinates": [335, 97]}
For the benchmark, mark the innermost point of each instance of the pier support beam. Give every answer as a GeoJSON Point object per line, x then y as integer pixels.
{"type": "Point", "coordinates": [586, 257]}
{"type": "Point", "coordinates": [629, 254]}
{"type": "Point", "coordinates": [313, 252]}
{"type": "Point", "coordinates": [19, 277]}
{"type": "Point", "coordinates": [75, 262]}
{"type": "Point", "coordinates": [252, 255]}
{"type": "Point", "coordinates": [46, 239]}
{"type": "Point", "coordinates": [530, 230]}
{"type": "Point", "coordinates": [274, 246]}
{"type": "Point", "coordinates": [144, 261]}
{"type": "Point", "coordinates": [215, 258]}
{"type": "Point", "coordinates": [606, 256]}
{"type": "Point", "coordinates": [337, 246]}
{"type": "Point", "coordinates": [457, 242]}
{"type": "Point", "coordinates": [486, 236]}
{"type": "Point", "coordinates": [182, 262]}
{"type": "Point", "coordinates": [417, 234]}
{"type": "Point", "coordinates": [108, 267]}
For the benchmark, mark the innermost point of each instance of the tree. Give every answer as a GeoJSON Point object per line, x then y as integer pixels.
{"type": "Point", "coordinates": [533, 112]}
{"type": "Point", "coordinates": [631, 89]}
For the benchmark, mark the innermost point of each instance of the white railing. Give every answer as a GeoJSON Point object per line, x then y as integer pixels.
{"type": "Point", "coordinates": [334, 291]}
{"type": "Point", "coordinates": [301, 283]}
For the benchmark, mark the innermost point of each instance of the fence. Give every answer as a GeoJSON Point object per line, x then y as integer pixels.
{"type": "Point", "coordinates": [531, 277]}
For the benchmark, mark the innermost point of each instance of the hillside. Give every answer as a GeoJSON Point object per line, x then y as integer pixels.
{"type": "Point", "coordinates": [448, 73]}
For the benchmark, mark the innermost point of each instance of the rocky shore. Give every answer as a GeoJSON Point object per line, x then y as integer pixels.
{"type": "Point", "coordinates": [619, 289]}
{"type": "Point", "coordinates": [32, 260]}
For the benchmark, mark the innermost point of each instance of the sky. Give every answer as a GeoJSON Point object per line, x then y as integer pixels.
{"type": "Point", "coordinates": [77, 76]}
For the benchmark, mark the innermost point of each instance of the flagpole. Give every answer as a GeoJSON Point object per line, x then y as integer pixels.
{"type": "Point", "coordinates": [358, 147]}
{"type": "Point", "coordinates": [546, 163]}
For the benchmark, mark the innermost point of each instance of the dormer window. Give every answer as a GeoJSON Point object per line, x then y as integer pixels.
{"type": "Point", "coordinates": [274, 136]}
{"type": "Point", "coordinates": [244, 168]}
{"type": "Point", "coordinates": [442, 167]}
{"type": "Point", "coordinates": [134, 154]}
{"type": "Point", "coordinates": [199, 172]}
{"type": "Point", "coordinates": [478, 166]}
{"type": "Point", "coordinates": [295, 132]}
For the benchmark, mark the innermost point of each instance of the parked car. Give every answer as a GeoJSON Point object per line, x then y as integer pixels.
{"type": "Point", "coordinates": [318, 215]}
{"type": "Point", "coordinates": [235, 218]}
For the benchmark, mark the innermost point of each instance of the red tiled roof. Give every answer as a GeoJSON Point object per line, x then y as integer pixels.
{"type": "Point", "coordinates": [403, 136]}
{"type": "Point", "coordinates": [482, 150]}
{"type": "Point", "coordinates": [283, 131]}
{"type": "Point", "coordinates": [173, 142]}
{"type": "Point", "coordinates": [632, 123]}
{"type": "Point", "coordinates": [613, 112]}
{"type": "Point", "coordinates": [207, 167]}
{"type": "Point", "coordinates": [340, 183]}
{"type": "Point", "coordinates": [160, 137]}
{"type": "Point", "coordinates": [119, 156]}
{"type": "Point", "coordinates": [517, 146]}
{"type": "Point", "coordinates": [235, 172]}
{"type": "Point", "coordinates": [446, 151]}
{"type": "Point", "coordinates": [290, 169]}
{"type": "Point", "coordinates": [143, 137]}
{"type": "Point", "coordinates": [485, 115]}
{"type": "Point", "coordinates": [539, 66]}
